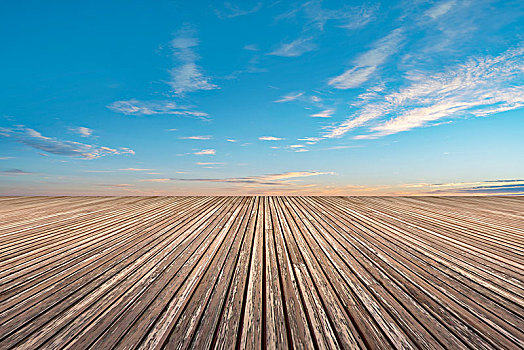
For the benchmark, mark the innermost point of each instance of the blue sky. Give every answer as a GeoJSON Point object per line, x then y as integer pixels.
{"type": "Point", "coordinates": [281, 97]}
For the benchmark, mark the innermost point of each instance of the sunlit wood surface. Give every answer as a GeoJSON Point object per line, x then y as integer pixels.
{"type": "Point", "coordinates": [255, 272]}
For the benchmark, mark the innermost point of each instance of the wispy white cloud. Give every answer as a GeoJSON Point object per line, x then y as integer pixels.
{"type": "Point", "coordinates": [382, 49]}
{"type": "Point", "coordinates": [311, 140]}
{"type": "Point", "coordinates": [440, 9]}
{"type": "Point", "coordinates": [209, 163]}
{"type": "Point", "coordinates": [229, 10]}
{"type": "Point", "coordinates": [488, 187]}
{"type": "Point", "coordinates": [359, 17]}
{"type": "Point", "coordinates": [270, 138]}
{"type": "Point", "coordinates": [327, 113]}
{"type": "Point", "coordinates": [206, 152]}
{"type": "Point", "coordinates": [338, 147]}
{"type": "Point", "coordinates": [316, 99]}
{"type": "Point", "coordinates": [352, 78]}
{"type": "Point", "coordinates": [480, 87]}
{"type": "Point", "coordinates": [136, 107]}
{"type": "Point", "coordinates": [200, 137]}
{"type": "Point", "coordinates": [187, 76]}
{"type": "Point", "coordinates": [295, 48]}
{"type": "Point", "coordinates": [34, 139]}
{"type": "Point", "coordinates": [231, 140]}
{"type": "Point", "coordinates": [14, 172]}
{"type": "Point", "coordinates": [135, 169]}
{"type": "Point", "coordinates": [349, 17]}
{"type": "Point", "coordinates": [367, 63]}
{"type": "Point", "coordinates": [6, 158]}
{"type": "Point", "coordinates": [290, 97]}
{"type": "Point", "coordinates": [286, 178]}
{"type": "Point", "coordinates": [298, 148]}
{"type": "Point", "coordinates": [82, 131]}
{"type": "Point", "coordinates": [156, 180]}
{"type": "Point", "coordinates": [346, 17]}
{"type": "Point", "coordinates": [251, 47]}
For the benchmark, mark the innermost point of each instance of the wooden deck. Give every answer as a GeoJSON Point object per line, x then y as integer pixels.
{"type": "Point", "coordinates": [257, 272]}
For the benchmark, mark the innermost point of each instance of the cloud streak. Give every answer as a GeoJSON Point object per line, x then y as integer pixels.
{"type": "Point", "coordinates": [157, 180]}
{"type": "Point", "coordinates": [206, 152]}
{"type": "Point", "coordinates": [327, 113]}
{"type": "Point", "coordinates": [367, 63]}
{"type": "Point", "coordinates": [295, 48]}
{"type": "Point", "coordinates": [187, 76]}
{"type": "Point", "coordinates": [316, 16]}
{"type": "Point", "coordinates": [482, 86]}
{"type": "Point", "coordinates": [14, 172]}
{"type": "Point", "coordinates": [199, 137]}
{"type": "Point", "coordinates": [287, 178]}
{"type": "Point", "coordinates": [290, 97]}
{"type": "Point", "coordinates": [230, 10]}
{"type": "Point", "coordinates": [209, 163]}
{"type": "Point", "coordinates": [36, 140]}
{"type": "Point", "coordinates": [136, 107]}
{"type": "Point", "coordinates": [83, 131]}
{"type": "Point", "coordinates": [135, 169]}
{"type": "Point", "coordinates": [270, 138]}
{"type": "Point", "coordinates": [487, 187]}
{"type": "Point", "coordinates": [440, 9]}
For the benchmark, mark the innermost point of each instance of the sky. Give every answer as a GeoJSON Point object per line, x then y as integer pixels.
{"type": "Point", "coordinates": [248, 97]}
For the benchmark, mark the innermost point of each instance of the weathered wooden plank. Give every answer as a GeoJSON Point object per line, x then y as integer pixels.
{"type": "Point", "coordinates": [261, 272]}
{"type": "Point", "coordinates": [204, 335]}
{"type": "Point", "coordinates": [92, 285]}
{"type": "Point", "coordinates": [228, 332]}
{"type": "Point", "coordinates": [299, 332]}
{"type": "Point", "coordinates": [276, 316]}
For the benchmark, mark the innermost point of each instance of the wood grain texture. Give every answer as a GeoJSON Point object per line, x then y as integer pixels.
{"type": "Point", "coordinates": [261, 272]}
